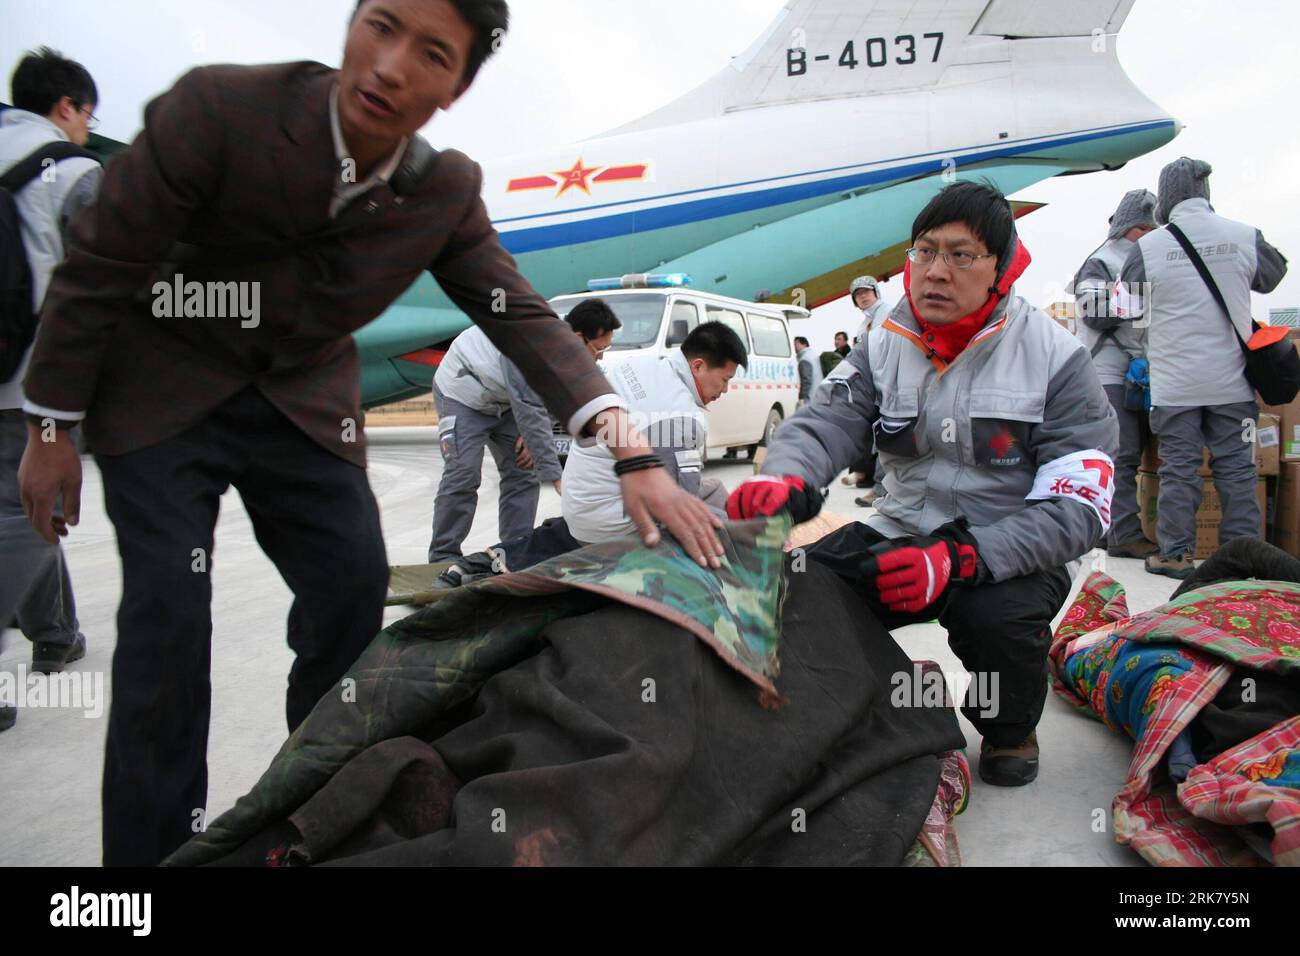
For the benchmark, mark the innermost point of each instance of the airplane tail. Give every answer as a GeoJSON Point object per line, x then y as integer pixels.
{"type": "Point", "coordinates": [830, 49]}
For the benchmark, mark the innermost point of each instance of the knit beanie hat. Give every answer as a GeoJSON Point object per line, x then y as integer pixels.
{"type": "Point", "coordinates": [1181, 180]}
{"type": "Point", "coordinates": [864, 282]}
{"type": "Point", "coordinates": [1137, 208]}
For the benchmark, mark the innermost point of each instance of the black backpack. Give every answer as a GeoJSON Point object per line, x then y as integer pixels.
{"type": "Point", "coordinates": [17, 320]}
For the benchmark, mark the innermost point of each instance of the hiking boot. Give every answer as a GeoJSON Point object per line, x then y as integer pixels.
{"type": "Point", "coordinates": [1181, 567]}
{"type": "Point", "coordinates": [866, 500]}
{"type": "Point", "coordinates": [1138, 548]}
{"type": "Point", "coordinates": [1010, 766]}
{"type": "Point", "coordinates": [50, 658]}
{"type": "Point", "coordinates": [8, 716]}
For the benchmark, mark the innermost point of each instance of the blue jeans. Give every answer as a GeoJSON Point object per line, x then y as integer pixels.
{"type": "Point", "coordinates": [34, 585]}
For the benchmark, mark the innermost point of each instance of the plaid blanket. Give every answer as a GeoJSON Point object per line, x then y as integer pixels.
{"type": "Point", "coordinates": [1149, 676]}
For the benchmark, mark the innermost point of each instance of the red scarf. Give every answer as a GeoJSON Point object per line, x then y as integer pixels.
{"type": "Point", "coordinates": [949, 341]}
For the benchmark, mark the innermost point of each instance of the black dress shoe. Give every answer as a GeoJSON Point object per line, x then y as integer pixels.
{"type": "Point", "coordinates": [49, 658]}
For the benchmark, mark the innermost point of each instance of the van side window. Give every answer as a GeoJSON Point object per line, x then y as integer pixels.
{"type": "Point", "coordinates": [733, 320]}
{"type": "Point", "coordinates": [682, 320]}
{"type": "Point", "coordinates": [770, 336]}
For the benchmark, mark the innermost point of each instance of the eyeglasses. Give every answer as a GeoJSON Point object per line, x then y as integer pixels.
{"type": "Point", "coordinates": [92, 121]}
{"type": "Point", "coordinates": [956, 260]}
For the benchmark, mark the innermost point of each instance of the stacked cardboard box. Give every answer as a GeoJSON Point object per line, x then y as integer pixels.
{"type": "Point", "coordinates": [1208, 516]}
{"type": "Point", "coordinates": [1286, 519]}
{"type": "Point", "coordinates": [1285, 526]}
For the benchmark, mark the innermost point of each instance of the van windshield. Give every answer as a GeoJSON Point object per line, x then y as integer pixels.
{"type": "Point", "coordinates": [641, 315]}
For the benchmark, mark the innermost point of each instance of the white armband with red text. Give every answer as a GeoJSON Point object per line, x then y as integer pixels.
{"type": "Point", "coordinates": [1087, 477]}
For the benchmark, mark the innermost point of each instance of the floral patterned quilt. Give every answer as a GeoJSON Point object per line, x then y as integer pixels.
{"type": "Point", "coordinates": [1149, 675]}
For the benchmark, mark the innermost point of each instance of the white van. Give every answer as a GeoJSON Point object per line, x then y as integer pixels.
{"type": "Point", "coordinates": [657, 320]}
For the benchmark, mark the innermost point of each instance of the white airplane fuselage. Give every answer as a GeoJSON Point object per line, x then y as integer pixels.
{"type": "Point", "coordinates": [814, 149]}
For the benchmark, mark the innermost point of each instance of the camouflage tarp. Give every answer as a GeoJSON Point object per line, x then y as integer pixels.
{"type": "Point", "coordinates": [527, 693]}
{"type": "Point", "coordinates": [413, 583]}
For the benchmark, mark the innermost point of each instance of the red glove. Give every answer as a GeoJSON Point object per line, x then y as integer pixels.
{"type": "Point", "coordinates": [909, 574]}
{"type": "Point", "coordinates": [766, 495]}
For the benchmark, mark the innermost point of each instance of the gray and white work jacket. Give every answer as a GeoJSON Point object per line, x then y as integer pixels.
{"type": "Point", "coordinates": [1195, 356]}
{"type": "Point", "coordinates": [1015, 435]}
{"type": "Point", "coordinates": [475, 373]}
{"type": "Point", "coordinates": [665, 406]}
{"type": "Point", "coordinates": [45, 207]}
{"type": "Point", "coordinates": [1112, 341]}
{"type": "Point", "coordinates": [872, 317]}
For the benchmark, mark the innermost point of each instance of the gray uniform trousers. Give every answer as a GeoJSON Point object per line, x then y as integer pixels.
{"type": "Point", "coordinates": [1183, 432]}
{"type": "Point", "coordinates": [34, 583]}
{"type": "Point", "coordinates": [1134, 429]}
{"type": "Point", "coordinates": [462, 433]}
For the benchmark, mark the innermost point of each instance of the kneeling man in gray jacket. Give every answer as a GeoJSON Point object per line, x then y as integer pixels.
{"type": "Point", "coordinates": [995, 438]}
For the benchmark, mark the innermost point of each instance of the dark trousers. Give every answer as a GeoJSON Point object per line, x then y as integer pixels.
{"type": "Point", "coordinates": [865, 466]}
{"type": "Point", "coordinates": [1134, 431]}
{"type": "Point", "coordinates": [548, 540]}
{"type": "Point", "coordinates": [1001, 629]}
{"type": "Point", "coordinates": [313, 515]}
{"type": "Point", "coordinates": [1184, 431]}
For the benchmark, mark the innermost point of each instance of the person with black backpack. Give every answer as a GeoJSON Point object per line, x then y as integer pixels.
{"type": "Point", "coordinates": [1192, 281]}
{"type": "Point", "coordinates": [46, 177]}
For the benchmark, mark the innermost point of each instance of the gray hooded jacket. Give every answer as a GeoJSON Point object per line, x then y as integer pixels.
{"type": "Point", "coordinates": [1016, 435]}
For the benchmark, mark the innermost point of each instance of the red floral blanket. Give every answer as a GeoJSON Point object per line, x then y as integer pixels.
{"type": "Point", "coordinates": [1149, 676]}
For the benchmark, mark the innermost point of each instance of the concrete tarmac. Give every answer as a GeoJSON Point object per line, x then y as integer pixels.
{"type": "Point", "coordinates": [51, 761]}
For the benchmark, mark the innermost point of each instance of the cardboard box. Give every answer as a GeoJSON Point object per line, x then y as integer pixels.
{"type": "Point", "coordinates": [1148, 492]}
{"type": "Point", "coordinates": [1266, 409]}
{"type": "Point", "coordinates": [759, 455]}
{"type": "Point", "coordinates": [1268, 445]}
{"type": "Point", "coordinates": [1290, 431]}
{"type": "Point", "coordinates": [1208, 516]}
{"type": "Point", "coordinates": [1286, 520]}
{"type": "Point", "coordinates": [1269, 449]}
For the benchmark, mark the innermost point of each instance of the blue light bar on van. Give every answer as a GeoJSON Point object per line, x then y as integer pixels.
{"type": "Point", "coordinates": [641, 280]}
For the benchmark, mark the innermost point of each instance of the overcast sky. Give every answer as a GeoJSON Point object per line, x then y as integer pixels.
{"type": "Point", "coordinates": [570, 69]}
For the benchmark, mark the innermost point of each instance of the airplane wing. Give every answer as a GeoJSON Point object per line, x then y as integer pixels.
{"type": "Point", "coordinates": [401, 349]}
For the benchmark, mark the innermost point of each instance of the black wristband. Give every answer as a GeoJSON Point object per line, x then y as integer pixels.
{"type": "Point", "coordinates": [41, 421]}
{"type": "Point", "coordinates": [637, 463]}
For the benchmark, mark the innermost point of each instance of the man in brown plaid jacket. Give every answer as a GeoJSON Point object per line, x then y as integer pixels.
{"type": "Point", "coordinates": [312, 186]}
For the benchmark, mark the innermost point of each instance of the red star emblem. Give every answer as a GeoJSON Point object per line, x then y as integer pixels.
{"type": "Point", "coordinates": [576, 178]}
